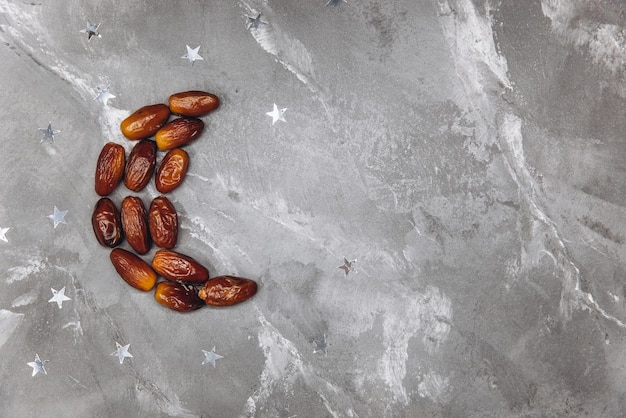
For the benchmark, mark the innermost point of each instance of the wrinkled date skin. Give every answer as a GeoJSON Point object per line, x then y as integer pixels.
{"type": "Point", "coordinates": [172, 170]}
{"type": "Point", "coordinates": [107, 223]}
{"type": "Point", "coordinates": [178, 133]}
{"type": "Point", "coordinates": [110, 168]}
{"type": "Point", "coordinates": [136, 272]}
{"type": "Point", "coordinates": [178, 296]}
{"type": "Point", "coordinates": [193, 103]}
{"type": "Point", "coordinates": [179, 267]}
{"type": "Point", "coordinates": [135, 224]}
{"type": "Point", "coordinates": [163, 222]}
{"type": "Point", "coordinates": [227, 290]}
{"type": "Point", "coordinates": [140, 165]}
{"type": "Point", "coordinates": [145, 122]}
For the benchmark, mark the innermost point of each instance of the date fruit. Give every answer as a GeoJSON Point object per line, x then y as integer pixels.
{"type": "Point", "coordinates": [140, 165]}
{"type": "Point", "coordinates": [179, 267]}
{"type": "Point", "coordinates": [106, 223]}
{"type": "Point", "coordinates": [133, 269]}
{"type": "Point", "coordinates": [135, 224]}
{"type": "Point", "coordinates": [178, 132]}
{"type": "Point", "coordinates": [178, 296]}
{"type": "Point", "coordinates": [110, 168]}
{"type": "Point", "coordinates": [163, 222]}
{"type": "Point", "coordinates": [172, 170]}
{"type": "Point", "coordinates": [193, 103]}
{"type": "Point", "coordinates": [144, 122]}
{"type": "Point", "coordinates": [227, 290]}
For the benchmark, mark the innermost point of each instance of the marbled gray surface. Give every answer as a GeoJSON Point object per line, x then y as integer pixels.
{"type": "Point", "coordinates": [469, 155]}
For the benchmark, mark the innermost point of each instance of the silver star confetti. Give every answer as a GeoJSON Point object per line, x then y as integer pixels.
{"type": "Point", "coordinates": [91, 30]}
{"type": "Point", "coordinates": [58, 217]}
{"type": "Point", "coordinates": [38, 365]}
{"type": "Point", "coordinates": [277, 114]}
{"type": "Point", "coordinates": [59, 297]}
{"type": "Point", "coordinates": [255, 22]}
{"type": "Point", "coordinates": [347, 266]}
{"type": "Point", "coordinates": [211, 356]}
{"type": "Point", "coordinates": [104, 95]}
{"type": "Point", "coordinates": [122, 352]}
{"type": "Point", "coordinates": [47, 134]}
{"type": "Point", "coordinates": [320, 345]}
{"type": "Point", "coordinates": [3, 234]}
{"type": "Point", "coordinates": [192, 54]}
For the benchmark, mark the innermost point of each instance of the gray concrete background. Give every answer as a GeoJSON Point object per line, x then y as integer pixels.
{"type": "Point", "coordinates": [469, 155]}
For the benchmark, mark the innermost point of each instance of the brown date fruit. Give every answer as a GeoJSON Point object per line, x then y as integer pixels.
{"type": "Point", "coordinates": [178, 132]}
{"type": "Point", "coordinates": [144, 122]}
{"type": "Point", "coordinates": [172, 170]}
{"type": "Point", "coordinates": [140, 165]}
{"type": "Point", "coordinates": [179, 267]}
{"type": "Point", "coordinates": [227, 290]}
{"type": "Point", "coordinates": [193, 103]}
{"type": "Point", "coordinates": [106, 223]}
{"type": "Point", "coordinates": [135, 224]}
{"type": "Point", "coordinates": [178, 296]}
{"type": "Point", "coordinates": [110, 168]}
{"type": "Point", "coordinates": [163, 222]}
{"type": "Point", "coordinates": [133, 269]}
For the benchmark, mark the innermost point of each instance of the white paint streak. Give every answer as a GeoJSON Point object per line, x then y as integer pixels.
{"type": "Point", "coordinates": [201, 232]}
{"type": "Point", "coordinates": [8, 323]}
{"type": "Point", "coordinates": [284, 366]}
{"type": "Point", "coordinates": [198, 176]}
{"type": "Point", "coordinates": [427, 315]}
{"type": "Point", "coordinates": [605, 43]}
{"type": "Point", "coordinates": [18, 273]}
{"type": "Point", "coordinates": [25, 299]}
{"type": "Point", "coordinates": [479, 66]}
{"type": "Point", "coordinates": [289, 51]}
{"type": "Point", "coordinates": [434, 387]}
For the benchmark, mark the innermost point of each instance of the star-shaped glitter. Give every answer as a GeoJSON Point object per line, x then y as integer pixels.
{"type": "Point", "coordinates": [320, 345]}
{"type": "Point", "coordinates": [58, 217]}
{"type": "Point", "coordinates": [122, 352]}
{"type": "Point", "coordinates": [335, 2]}
{"type": "Point", "coordinates": [47, 134]}
{"type": "Point", "coordinates": [211, 356]}
{"type": "Point", "coordinates": [3, 234]}
{"type": "Point", "coordinates": [104, 95]}
{"type": "Point", "coordinates": [277, 114]}
{"type": "Point", "coordinates": [347, 266]}
{"type": "Point", "coordinates": [91, 30]}
{"type": "Point", "coordinates": [192, 54]}
{"type": "Point", "coordinates": [59, 297]}
{"type": "Point", "coordinates": [38, 365]}
{"type": "Point", "coordinates": [255, 22]}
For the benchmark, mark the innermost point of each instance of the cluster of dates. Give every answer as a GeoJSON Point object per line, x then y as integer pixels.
{"type": "Point", "coordinates": [187, 286]}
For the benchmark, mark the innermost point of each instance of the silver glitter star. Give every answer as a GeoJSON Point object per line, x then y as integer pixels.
{"type": "Point", "coordinates": [3, 234]}
{"type": "Point", "coordinates": [320, 345]}
{"type": "Point", "coordinates": [211, 356]}
{"type": "Point", "coordinates": [277, 114]}
{"type": "Point", "coordinates": [38, 365]}
{"type": "Point", "coordinates": [255, 22]}
{"type": "Point", "coordinates": [48, 133]}
{"type": "Point", "coordinates": [59, 297]}
{"type": "Point", "coordinates": [122, 352]}
{"type": "Point", "coordinates": [104, 95]}
{"type": "Point", "coordinates": [192, 54]}
{"type": "Point", "coordinates": [58, 217]}
{"type": "Point", "coordinates": [347, 266]}
{"type": "Point", "coordinates": [91, 30]}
